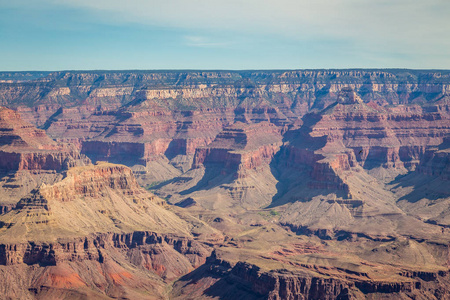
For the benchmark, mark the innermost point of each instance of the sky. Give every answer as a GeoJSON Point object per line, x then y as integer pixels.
{"type": "Point", "coordinates": [52, 35]}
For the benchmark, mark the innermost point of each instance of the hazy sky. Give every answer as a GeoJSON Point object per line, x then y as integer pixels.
{"type": "Point", "coordinates": [223, 34]}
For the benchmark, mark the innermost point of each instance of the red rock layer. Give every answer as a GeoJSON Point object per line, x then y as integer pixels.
{"type": "Point", "coordinates": [39, 160]}
{"type": "Point", "coordinates": [195, 106]}
{"type": "Point", "coordinates": [241, 147]}
{"type": "Point", "coordinates": [101, 263]}
{"type": "Point", "coordinates": [350, 133]}
{"type": "Point", "coordinates": [222, 278]}
{"type": "Point", "coordinates": [92, 181]}
{"type": "Point", "coordinates": [24, 147]}
{"type": "Point", "coordinates": [436, 161]}
{"type": "Point", "coordinates": [18, 134]}
{"type": "Point", "coordinates": [90, 248]}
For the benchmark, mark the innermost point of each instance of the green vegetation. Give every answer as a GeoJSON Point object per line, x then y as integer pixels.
{"type": "Point", "coordinates": [152, 185]}
{"type": "Point", "coordinates": [274, 213]}
{"type": "Point", "coordinates": [269, 214]}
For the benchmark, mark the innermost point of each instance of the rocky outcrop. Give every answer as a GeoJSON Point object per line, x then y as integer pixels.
{"type": "Point", "coordinates": [172, 108]}
{"type": "Point", "coordinates": [92, 182]}
{"type": "Point", "coordinates": [228, 279]}
{"type": "Point", "coordinates": [104, 197]}
{"type": "Point", "coordinates": [102, 230]}
{"type": "Point", "coordinates": [350, 134]}
{"type": "Point", "coordinates": [24, 147]}
{"type": "Point", "coordinates": [90, 248]}
{"type": "Point", "coordinates": [40, 160]}
{"type": "Point", "coordinates": [138, 256]}
{"type": "Point", "coordinates": [241, 147]}
{"type": "Point", "coordinates": [18, 134]}
{"type": "Point", "coordinates": [436, 161]}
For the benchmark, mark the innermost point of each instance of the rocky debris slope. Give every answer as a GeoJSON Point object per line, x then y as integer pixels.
{"type": "Point", "coordinates": [349, 151]}
{"type": "Point", "coordinates": [95, 232]}
{"type": "Point", "coordinates": [350, 165]}
{"type": "Point", "coordinates": [104, 198]}
{"type": "Point", "coordinates": [28, 158]}
{"type": "Point", "coordinates": [288, 275]}
{"type": "Point", "coordinates": [233, 171]}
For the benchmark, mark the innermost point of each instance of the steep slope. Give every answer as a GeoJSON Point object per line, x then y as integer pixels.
{"type": "Point", "coordinates": [307, 184]}
{"type": "Point", "coordinates": [339, 178]}
{"type": "Point", "coordinates": [157, 119]}
{"type": "Point", "coordinates": [350, 150]}
{"type": "Point", "coordinates": [96, 232]}
{"type": "Point", "coordinates": [231, 173]}
{"type": "Point", "coordinates": [424, 193]}
{"type": "Point", "coordinates": [72, 229]}
{"type": "Point", "coordinates": [28, 158]}
{"type": "Point", "coordinates": [103, 197]}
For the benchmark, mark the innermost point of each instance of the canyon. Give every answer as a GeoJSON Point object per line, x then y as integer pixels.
{"type": "Point", "coordinates": [306, 184]}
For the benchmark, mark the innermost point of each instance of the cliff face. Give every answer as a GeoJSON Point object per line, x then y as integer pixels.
{"type": "Point", "coordinates": [233, 170]}
{"type": "Point", "coordinates": [435, 162]}
{"type": "Point", "coordinates": [24, 147]}
{"type": "Point", "coordinates": [172, 113]}
{"type": "Point", "coordinates": [92, 181]}
{"type": "Point", "coordinates": [28, 158]}
{"type": "Point", "coordinates": [241, 147]}
{"type": "Point", "coordinates": [226, 279]}
{"type": "Point", "coordinates": [95, 231]}
{"type": "Point", "coordinates": [18, 134]}
{"type": "Point", "coordinates": [322, 184]}
{"type": "Point", "coordinates": [344, 155]}
{"type": "Point", "coordinates": [115, 88]}
{"type": "Point", "coordinates": [350, 134]}
{"type": "Point", "coordinates": [102, 265]}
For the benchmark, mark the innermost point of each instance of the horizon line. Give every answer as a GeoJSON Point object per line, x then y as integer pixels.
{"type": "Point", "coordinates": [219, 70]}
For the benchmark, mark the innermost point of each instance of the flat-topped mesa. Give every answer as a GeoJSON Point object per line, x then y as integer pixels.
{"type": "Point", "coordinates": [93, 181]}
{"type": "Point", "coordinates": [89, 181]}
{"type": "Point", "coordinates": [99, 226]}
{"type": "Point", "coordinates": [90, 199]}
{"type": "Point", "coordinates": [348, 96]}
{"type": "Point", "coordinates": [241, 146]}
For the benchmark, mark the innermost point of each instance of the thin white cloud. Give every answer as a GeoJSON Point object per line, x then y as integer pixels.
{"type": "Point", "coordinates": [203, 42]}
{"type": "Point", "coordinates": [344, 17]}
{"type": "Point", "coordinates": [409, 27]}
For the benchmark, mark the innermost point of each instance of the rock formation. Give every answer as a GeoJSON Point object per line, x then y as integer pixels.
{"type": "Point", "coordinates": [28, 157]}
{"type": "Point", "coordinates": [308, 184]}
{"type": "Point", "coordinates": [153, 117]}
{"type": "Point", "coordinates": [232, 171]}
{"type": "Point", "coordinates": [96, 217]}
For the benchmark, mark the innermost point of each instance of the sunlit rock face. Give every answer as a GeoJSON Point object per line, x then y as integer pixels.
{"type": "Point", "coordinates": [327, 184]}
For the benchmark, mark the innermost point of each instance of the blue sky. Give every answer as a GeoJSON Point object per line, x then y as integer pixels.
{"type": "Point", "coordinates": [217, 34]}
